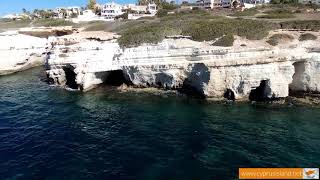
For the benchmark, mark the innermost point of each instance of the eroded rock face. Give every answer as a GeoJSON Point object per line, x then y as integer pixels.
{"type": "Point", "coordinates": [164, 76]}
{"type": "Point", "coordinates": [88, 81]}
{"type": "Point", "coordinates": [198, 78]}
{"type": "Point", "coordinates": [19, 52]}
{"type": "Point", "coordinates": [256, 71]}
{"type": "Point", "coordinates": [211, 81]}
{"type": "Point", "coordinates": [57, 76]}
{"type": "Point", "coordinates": [85, 57]}
{"type": "Point", "coordinates": [306, 77]}
{"type": "Point", "coordinates": [241, 80]}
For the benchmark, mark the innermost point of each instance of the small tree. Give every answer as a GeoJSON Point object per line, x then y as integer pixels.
{"type": "Point", "coordinates": [168, 6]}
{"type": "Point", "coordinates": [142, 2]}
{"type": "Point", "coordinates": [235, 4]}
{"type": "Point", "coordinates": [185, 2]}
{"type": "Point", "coordinates": [74, 15]}
{"type": "Point", "coordinates": [97, 10]}
{"type": "Point", "coordinates": [64, 13]}
{"type": "Point", "coordinates": [24, 11]}
{"type": "Point", "coordinates": [35, 11]}
{"type": "Point", "coordinates": [92, 4]}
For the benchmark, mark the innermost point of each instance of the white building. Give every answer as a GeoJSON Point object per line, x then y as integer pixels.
{"type": "Point", "coordinates": [152, 8]}
{"type": "Point", "coordinates": [69, 12]}
{"type": "Point", "coordinates": [73, 11]}
{"type": "Point", "coordinates": [317, 2]}
{"type": "Point", "coordinates": [208, 4]}
{"type": "Point", "coordinates": [139, 9]}
{"type": "Point", "coordinates": [111, 10]}
{"type": "Point", "coordinates": [226, 3]}
{"type": "Point", "coordinates": [13, 16]}
{"type": "Point", "coordinates": [86, 16]}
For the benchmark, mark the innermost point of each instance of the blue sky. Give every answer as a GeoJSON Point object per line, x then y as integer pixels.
{"type": "Point", "coordinates": [15, 6]}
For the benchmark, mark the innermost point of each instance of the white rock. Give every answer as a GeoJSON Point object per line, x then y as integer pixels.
{"type": "Point", "coordinates": [211, 71]}
{"type": "Point", "coordinates": [19, 52]}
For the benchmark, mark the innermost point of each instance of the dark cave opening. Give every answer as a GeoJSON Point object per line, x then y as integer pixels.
{"type": "Point", "coordinates": [116, 78]}
{"type": "Point", "coordinates": [296, 87]}
{"type": "Point", "coordinates": [229, 94]}
{"type": "Point", "coordinates": [70, 77]}
{"type": "Point", "coordinates": [194, 84]}
{"type": "Point", "coordinates": [191, 91]}
{"type": "Point", "coordinates": [261, 93]}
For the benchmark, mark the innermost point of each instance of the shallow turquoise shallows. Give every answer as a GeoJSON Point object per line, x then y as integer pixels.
{"type": "Point", "coordinates": [50, 133]}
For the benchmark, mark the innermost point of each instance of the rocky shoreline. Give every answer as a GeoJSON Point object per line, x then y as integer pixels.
{"type": "Point", "coordinates": [247, 71]}
{"type": "Point", "coordinates": [305, 99]}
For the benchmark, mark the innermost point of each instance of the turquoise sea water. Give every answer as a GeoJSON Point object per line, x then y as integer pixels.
{"type": "Point", "coordinates": [50, 133]}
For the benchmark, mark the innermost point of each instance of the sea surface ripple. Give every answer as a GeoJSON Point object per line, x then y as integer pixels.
{"type": "Point", "coordinates": [50, 133]}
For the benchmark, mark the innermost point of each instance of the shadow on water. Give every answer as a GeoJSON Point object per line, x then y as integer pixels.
{"type": "Point", "coordinates": [50, 133]}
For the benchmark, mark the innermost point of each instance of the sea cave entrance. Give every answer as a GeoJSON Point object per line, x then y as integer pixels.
{"type": "Point", "coordinates": [115, 78]}
{"type": "Point", "coordinates": [229, 94]}
{"type": "Point", "coordinates": [70, 77]}
{"type": "Point", "coordinates": [261, 93]}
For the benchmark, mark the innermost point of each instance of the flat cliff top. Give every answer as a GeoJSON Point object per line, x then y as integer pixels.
{"type": "Point", "coordinates": [90, 53]}
{"type": "Point", "coordinates": [92, 35]}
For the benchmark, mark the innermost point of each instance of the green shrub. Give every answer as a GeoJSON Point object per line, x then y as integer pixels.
{"type": "Point", "coordinates": [122, 16]}
{"type": "Point", "coordinates": [195, 8]}
{"type": "Point", "coordinates": [313, 25]}
{"type": "Point", "coordinates": [225, 41]}
{"type": "Point", "coordinates": [277, 14]}
{"type": "Point", "coordinates": [199, 24]}
{"type": "Point", "coordinates": [52, 22]}
{"type": "Point", "coordinates": [277, 38]}
{"type": "Point", "coordinates": [247, 12]}
{"type": "Point", "coordinates": [168, 6]}
{"type": "Point", "coordinates": [162, 13]}
{"type": "Point", "coordinates": [96, 26]}
{"type": "Point", "coordinates": [284, 1]}
{"type": "Point", "coordinates": [307, 36]}
{"type": "Point", "coordinates": [12, 24]}
{"type": "Point", "coordinates": [202, 30]}
{"type": "Point", "coordinates": [145, 34]}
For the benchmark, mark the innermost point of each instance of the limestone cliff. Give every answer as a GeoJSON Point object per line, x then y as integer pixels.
{"type": "Point", "coordinates": [248, 70]}
{"type": "Point", "coordinates": [19, 52]}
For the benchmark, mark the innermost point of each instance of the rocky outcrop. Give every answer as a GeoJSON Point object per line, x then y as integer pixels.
{"type": "Point", "coordinates": [306, 77]}
{"type": "Point", "coordinates": [45, 32]}
{"type": "Point", "coordinates": [212, 81]}
{"type": "Point", "coordinates": [256, 71]}
{"type": "Point", "coordinates": [251, 70]}
{"type": "Point", "coordinates": [19, 52]}
{"type": "Point", "coordinates": [78, 59]}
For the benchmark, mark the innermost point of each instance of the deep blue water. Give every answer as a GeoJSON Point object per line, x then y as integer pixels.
{"type": "Point", "coordinates": [49, 133]}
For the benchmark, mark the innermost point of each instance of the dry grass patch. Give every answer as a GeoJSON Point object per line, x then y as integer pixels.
{"type": "Point", "coordinates": [51, 23]}
{"type": "Point", "coordinates": [200, 25]}
{"type": "Point", "coordinates": [225, 41]}
{"type": "Point", "coordinates": [279, 38]}
{"type": "Point", "coordinates": [246, 12]}
{"type": "Point", "coordinates": [277, 14]}
{"type": "Point", "coordinates": [6, 24]}
{"type": "Point", "coordinates": [313, 25]}
{"type": "Point", "coordinates": [307, 36]}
